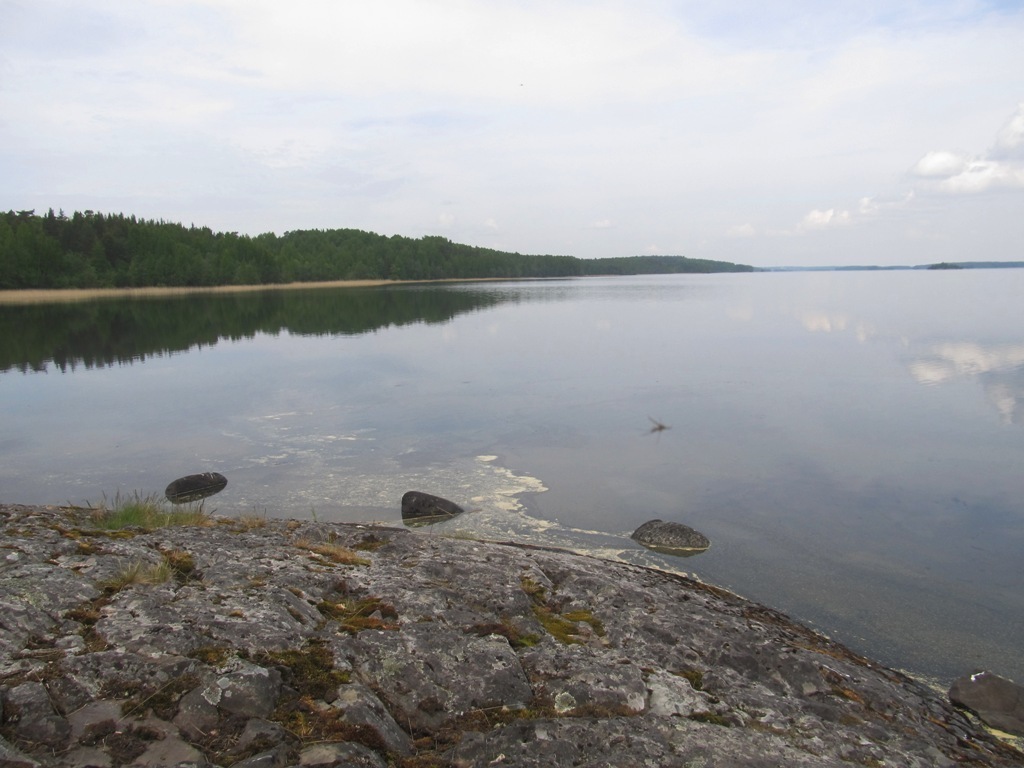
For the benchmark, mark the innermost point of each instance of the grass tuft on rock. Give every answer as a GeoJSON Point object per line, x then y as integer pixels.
{"type": "Point", "coordinates": [354, 615]}
{"type": "Point", "coordinates": [330, 549]}
{"type": "Point", "coordinates": [146, 512]}
{"type": "Point", "coordinates": [182, 565]}
{"type": "Point", "coordinates": [138, 572]}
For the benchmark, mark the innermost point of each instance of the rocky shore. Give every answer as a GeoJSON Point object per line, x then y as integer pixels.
{"type": "Point", "coordinates": [272, 643]}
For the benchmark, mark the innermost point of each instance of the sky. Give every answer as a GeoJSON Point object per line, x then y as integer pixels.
{"type": "Point", "coordinates": [793, 132]}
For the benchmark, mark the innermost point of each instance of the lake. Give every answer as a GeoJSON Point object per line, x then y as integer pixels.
{"type": "Point", "coordinates": [852, 443]}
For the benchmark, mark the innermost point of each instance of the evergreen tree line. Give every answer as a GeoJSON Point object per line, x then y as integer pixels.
{"type": "Point", "coordinates": [93, 250]}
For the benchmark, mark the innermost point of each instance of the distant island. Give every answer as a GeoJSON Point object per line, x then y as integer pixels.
{"type": "Point", "coordinates": [93, 250]}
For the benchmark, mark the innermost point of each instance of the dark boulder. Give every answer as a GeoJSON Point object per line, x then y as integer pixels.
{"type": "Point", "coordinates": [425, 509]}
{"type": "Point", "coordinates": [671, 538]}
{"type": "Point", "coordinates": [195, 487]}
{"type": "Point", "coordinates": [996, 700]}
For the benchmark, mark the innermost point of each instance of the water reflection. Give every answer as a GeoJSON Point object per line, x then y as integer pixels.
{"type": "Point", "coordinates": [824, 322]}
{"type": "Point", "coordinates": [109, 332]}
{"type": "Point", "coordinates": [948, 361]}
{"type": "Point", "coordinates": [999, 369]}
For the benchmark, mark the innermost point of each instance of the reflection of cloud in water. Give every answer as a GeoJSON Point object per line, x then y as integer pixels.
{"type": "Point", "coordinates": [823, 322]}
{"type": "Point", "coordinates": [999, 368]}
{"type": "Point", "coordinates": [1006, 397]}
{"type": "Point", "coordinates": [948, 361]}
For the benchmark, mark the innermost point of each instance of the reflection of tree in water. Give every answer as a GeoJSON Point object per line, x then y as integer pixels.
{"type": "Point", "coordinates": [999, 369]}
{"type": "Point", "coordinates": [108, 332]}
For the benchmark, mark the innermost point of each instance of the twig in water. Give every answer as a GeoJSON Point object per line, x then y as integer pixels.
{"type": "Point", "coordinates": [658, 426]}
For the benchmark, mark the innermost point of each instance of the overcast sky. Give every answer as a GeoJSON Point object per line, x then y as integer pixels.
{"type": "Point", "coordinates": [789, 132]}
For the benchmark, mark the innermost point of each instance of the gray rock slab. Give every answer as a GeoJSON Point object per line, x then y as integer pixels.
{"type": "Point", "coordinates": [430, 674]}
{"type": "Point", "coordinates": [327, 644]}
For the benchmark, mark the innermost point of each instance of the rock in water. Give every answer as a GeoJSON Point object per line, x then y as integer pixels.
{"type": "Point", "coordinates": [671, 538]}
{"type": "Point", "coordinates": [425, 509]}
{"type": "Point", "coordinates": [195, 487]}
{"type": "Point", "coordinates": [996, 700]}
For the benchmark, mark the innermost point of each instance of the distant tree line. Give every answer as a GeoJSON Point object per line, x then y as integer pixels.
{"type": "Point", "coordinates": [93, 250]}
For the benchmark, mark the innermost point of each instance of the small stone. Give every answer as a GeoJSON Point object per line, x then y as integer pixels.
{"type": "Point", "coordinates": [251, 692]}
{"type": "Point", "coordinates": [426, 509]}
{"type": "Point", "coordinates": [197, 715]}
{"type": "Point", "coordinates": [170, 750]}
{"type": "Point", "coordinates": [13, 758]}
{"type": "Point", "coordinates": [997, 701]}
{"type": "Point", "coordinates": [362, 707]}
{"type": "Point", "coordinates": [672, 695]}
{"type": "Point", "coordinates": [195, 487]}
{"type": "Point", "coordinates": [30, 709]}
{"type": "Point", "coordinates": [83, 757]}
{"type": "Point", "coordinates": [258, 730]}
{"type": "Point", "coordinates": [339, 754]}
{"type": "Point", "coordinates": [92, 716]}
{"type": "Point", "coordinates": [280, 756]}
{"type": "Point", "coordinates": [671, 538]}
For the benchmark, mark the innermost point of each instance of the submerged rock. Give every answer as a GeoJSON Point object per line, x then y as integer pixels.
{"type": "Point", "coordinates": [671, 538]}
{"type": "Point", "coordinates": [426, 509]}
{"type": "Point", "coordinates": [997, 701]}
{"type": "Point", "coordinates": [195, 487]}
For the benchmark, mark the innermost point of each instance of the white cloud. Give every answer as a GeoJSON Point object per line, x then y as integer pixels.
{"type": "Point", "coordinates": [742, 230]}
{"type": "Point", "coordinates": [951, 172]}
{"type": "Point", "coordinates": [941, 164]}
{"type": "Point", "coordinates": [868, 206]}
{"type": "Point", "coordinates": [824, 219]}
{"type": "Point", "coordinates": [984, 175]}
{"type": "Point", "coordinates": [1010, 139]}
{"type": "Point", "coordinates": [958, 173]}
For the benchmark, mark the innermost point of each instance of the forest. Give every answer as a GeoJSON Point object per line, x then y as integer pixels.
{"type": "Point", "coordinates": [95, 250]}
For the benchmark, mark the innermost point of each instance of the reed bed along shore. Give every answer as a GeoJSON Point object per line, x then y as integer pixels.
{"type": "Point", "coordinates": [54, 295]}
{"type": "Point", "coordinates": [57, 295]}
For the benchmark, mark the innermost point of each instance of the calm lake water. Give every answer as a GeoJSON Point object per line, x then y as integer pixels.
{"type": "Point", "coordinates": [851, 443]}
